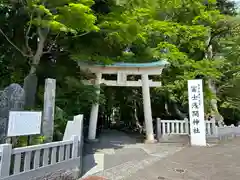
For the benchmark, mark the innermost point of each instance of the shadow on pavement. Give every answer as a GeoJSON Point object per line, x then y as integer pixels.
{"type": "Point", "coordinates": [109, 141]}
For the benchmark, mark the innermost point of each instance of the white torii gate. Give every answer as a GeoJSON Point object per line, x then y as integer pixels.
{"type": "Point", "coordinates": [122, 70]}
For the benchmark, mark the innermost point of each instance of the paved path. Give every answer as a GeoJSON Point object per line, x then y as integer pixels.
{"type": "Point", "coordinates": [118, 155]}
{"type": "Point", "coordinates": [220, 162]}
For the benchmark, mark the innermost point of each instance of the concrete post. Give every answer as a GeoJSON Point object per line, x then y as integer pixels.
{"type": "Point", "coordinates": [147, 109]}
{"type": "Point", "coordinates": [75, 147]}
{"type": "Point", "coordinates": [159, 129]}
{"type": "Point", "coordinates": [6, 152]}
{"type": "Point", "coordinates": [187, 126]}
{"type": "Point", "coordinates": [94, 112]}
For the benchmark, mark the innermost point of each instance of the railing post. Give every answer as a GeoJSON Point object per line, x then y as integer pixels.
{"type": "Point", "coordinates": [215, 127]}
{"type": "Point", "coordinates": [187, 126]}
{"type": "Point", "coordinates": [75, 154]}
{"type": "Point", "coordinates": [237, 132]}
{"type": "Point", "coordinates": [233, 130]}
{"type": "Point", "coordinates": [75, 147]}
{"type": "Point", "coordinates": [159, 131]}
{"type": "Point", "coordinates": [6, 152]}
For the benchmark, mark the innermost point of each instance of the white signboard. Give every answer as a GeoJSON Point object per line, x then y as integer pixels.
{"type": "Point", "coordinates": [196, 113]}
{"type": "Point", "coordinates": [22, 123]}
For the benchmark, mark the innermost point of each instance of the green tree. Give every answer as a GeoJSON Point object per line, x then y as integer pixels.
{"type": "Point", "coordinates": [45, 22]}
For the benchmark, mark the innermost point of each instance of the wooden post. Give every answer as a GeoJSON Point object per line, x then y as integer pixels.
{"type": "Point", "coordinates": [159, 129]}
{"type": "Point", "coordinates": [48, 110]}
{"type": "Point", "coordinates": [6, 152]}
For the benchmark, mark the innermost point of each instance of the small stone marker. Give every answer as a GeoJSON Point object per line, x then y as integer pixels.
{"type": "Point", "coordinates": [196, 113]}
{"type": "Point", "coordinates": [12, 99]}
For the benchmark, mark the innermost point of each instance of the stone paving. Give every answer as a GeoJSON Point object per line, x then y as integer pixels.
{"type": "Point", "coordinates": [220, 162]}
{"type": "Point", "coordinates": [117, 155]}
{"type": "Point", "coordinates": [153, 154]}
{"type": "Point", "coordinates": [127, 159]}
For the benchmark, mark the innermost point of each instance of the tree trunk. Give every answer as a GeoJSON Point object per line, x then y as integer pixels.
{"type": "Point", "coordinates": [139, 127]}
{"type": "Point", "coordinates": [30, 81]}
{"type": "Point", "coordinates": [212, 86]}
{"type": "Point", "coordinates": [178, 112]}
{"type": "Point", "coordinates": [214, 107]}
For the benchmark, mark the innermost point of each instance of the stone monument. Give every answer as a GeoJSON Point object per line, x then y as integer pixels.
{"type": "Point", "coordinates": [48, 110]}
{"type": "Point", "coordinates": [12, 98]}
{"type": "Point", "coordinates": [30, 88]}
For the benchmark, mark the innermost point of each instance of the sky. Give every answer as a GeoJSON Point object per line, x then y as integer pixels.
{"type": "Point", "coordinates": [237, 1]}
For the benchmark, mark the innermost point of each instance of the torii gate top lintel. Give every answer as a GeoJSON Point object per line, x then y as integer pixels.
{"type": "Point", "coordinates": [129, 68]}
{"type": "Point", "coordinates": [124, 69]}
{"type": "Point", "coordinates": [139, 65]}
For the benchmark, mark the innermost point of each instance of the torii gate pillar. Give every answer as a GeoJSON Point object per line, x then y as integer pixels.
{"type": "Point", "coordinates": [147, 108]}
{"type": "Point", "coordinates": [94, 112]}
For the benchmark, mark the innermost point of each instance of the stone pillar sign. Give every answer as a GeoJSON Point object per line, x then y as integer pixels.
{"type": "Point", "coordinates": [196, 113]}
{"type": "Point", "coordinates": [48, 109]}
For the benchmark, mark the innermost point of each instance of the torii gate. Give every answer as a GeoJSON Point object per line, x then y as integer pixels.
{"type": "Point", "coordinates": [122, 70]}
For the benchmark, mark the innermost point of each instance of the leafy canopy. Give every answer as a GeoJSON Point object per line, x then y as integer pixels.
{"type": "Point", "coordinates": [64, 15]}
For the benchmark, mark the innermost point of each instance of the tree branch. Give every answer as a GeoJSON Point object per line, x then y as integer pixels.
{"type": "Point", "coordinates": [82, 34]}
{"type": "Point", "coordinates": [50, 48]}
{"type": "Point", "coordinates": [17, 48]}
{"type": "Point", "coordinates": [27, 35]}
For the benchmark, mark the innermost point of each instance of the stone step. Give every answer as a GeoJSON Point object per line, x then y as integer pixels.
{"type": "Point", "coordinates": [212, 140]}
{"type": "Point", "coordinates": [184, 139]}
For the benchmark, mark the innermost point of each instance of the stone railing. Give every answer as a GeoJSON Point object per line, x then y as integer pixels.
{"type": "Point", "coordinates": [39, 161]}
{"type": "Point", "coordinates": [174, 126]}
{"type": "Point", "coordinates": [181, 127]}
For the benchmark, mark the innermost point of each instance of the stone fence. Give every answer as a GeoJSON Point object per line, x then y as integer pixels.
{"type": "Point", "coordinates": [182, 127]}
{"type": "Point", "coordinates": [53, 160]}
{"type": "Point", "coordinates": [40, 161]}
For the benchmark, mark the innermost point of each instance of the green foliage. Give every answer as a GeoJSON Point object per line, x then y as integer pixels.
{"type": "Point", "coordinates": [63, 15]}
{"type": "Point", "coordinates": [230, 82]}
{"type": "Point", "coordinates": [60, 120]}
{"type": "Point", "coordinates": [178, 31]}
{"type": "Point", "coordinates": [130, 31]}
